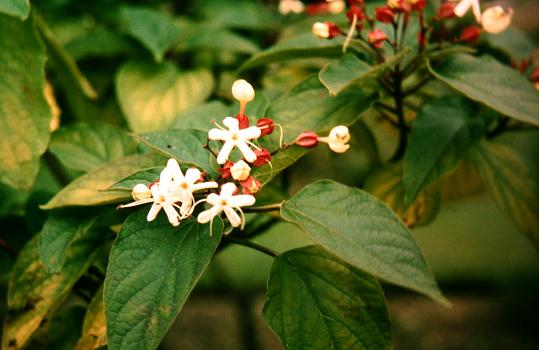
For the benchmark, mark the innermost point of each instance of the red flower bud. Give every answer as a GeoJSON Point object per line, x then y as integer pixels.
{"type": "Point", "coordinates": [446, 10]}
{"type": "Point", "coordinates": [225, 169]}
{"type": "Point", "coordinates": [355, 11]}
{"type": "Point", "coordinates": [262, 157]}
{"type": "Point", "coordinates": [307, 139]}
{"type": "Point", "coordinates": [470, 34]}
{"type": "Point", "coordinates": [251, 185]}
{"type": "Point", "coordinates": [535, 75]}
{"type": "Point", "coordinates": [243, 121]}
{"type": "Point", "coordinates": [385, 14]}
{"type": "Point", "coordinates": [376, 38]}
{"type": "Point", "coordinates": [419, 5]}
{"type": "Point", "coordinates": [265, 125]}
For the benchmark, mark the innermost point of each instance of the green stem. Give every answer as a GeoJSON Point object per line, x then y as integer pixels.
{"type": "Point", "coordinates": [263, 208]}
{"type": "Point", "coordinates": [252, 245]}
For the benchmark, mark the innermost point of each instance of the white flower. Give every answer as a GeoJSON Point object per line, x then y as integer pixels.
{"type": "Point", "coordinates": [228, 202]}
{"type": "Point", "coordinates": [320, 30]}
{"type": "Point", "coordinates": [337, 139]}
{"type": "Point", "coordinates": [243, 91]}
{"type": "Point", "coordinates": [495, 19]}
{"type": "Point", "coordinates": [290, 6]}
{"type": "Point", "coordinates": [141, 191]}
{"type": "Point", "coordinates": [464, 5]}
{"type": "Point", "coordinates": [336, 6]}
{"type": "Point", "coordinates": [161, 198]}
{"type": "Point", "coordinates": [240, 171]}
{"type": "Point", "coordinates": [234, 137]}
{"type": "Point", "coordinates": [182, 187]}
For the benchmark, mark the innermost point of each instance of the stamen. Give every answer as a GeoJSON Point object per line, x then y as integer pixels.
{"type": "Point", "coordinates": [252, 144]}
{"type": "Point", "coordinates": [350, 34]}
{"type": "Point", "coordinates": [281, 135]}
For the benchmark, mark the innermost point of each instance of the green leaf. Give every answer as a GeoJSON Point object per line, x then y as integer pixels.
{"type": "Point", "coordinates": [386, 185]}
{"type": "Point", "coordinates": [512, 177]}
{"type": "Point", "coordinates": [154, 29]}
{"type": "Point", "coordinates": [17, 8]}
{"type": "Point", "coordinates": [239, 14]}
{"type": "Point", "coordinates": [298, 47]}
{"type": "Point", "coordinates": [187, 146]}
{"type": "Point", "coordinates": [88, 189]}
{"type": "Point", "coordinates": [218, 39]}
{"type": "Point", "coordinates": [61, 332]}
{"type": "Point", "coordinates": [145, 176]}
{"type": "Point", "coordinates": [33, 292]}
{"type": "Point", "coordinates": [151, 95]}
{"type": "Point", "coordinates": [350, 71]}
{"type": "Point", "coordinates": [86, 147]}
{"type": "Point", "coordinates": [317, 301]}
{"type": "Point", "coordinates": [487, 81]}
{"type": "Point", "coordinates": [94, 328]}
{"type": "Point", "coordinates": [152, 270]}
{"type": "Point", "coordinates": [279, 162]}
{"type": "Point", "coordinates": [24, 113]}
{"type": "Point", "coordinates": [364, 232]}
{"type": "Point", "coordinates": [100, 42]}
{"type": "Point", "coordinates": [200, 117]}
{"type": "Point", "coordinates": [513, 41]}
{"type": "Point", "coordinates": [442, 133]}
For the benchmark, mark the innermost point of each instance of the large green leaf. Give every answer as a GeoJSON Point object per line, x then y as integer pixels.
{"type": "Point", "coordinates": [17, 8]}
{"type": "Point", "coordinates": [301, 46]}
{"type": "Point", "coordinates": [202, 36]}
{"type": "Point", "coordinates": [486, 80]}
{"type": "Point", "coordinates": [152, 270]}
{"type": "Point", "coordinates": [200, 117]}
{"type": "Point", "coordinates": [94, 328]}
{"type": "Point", "coordinates": [24, 113]}
{"type": "Point", "coordinates": [349, 71]}
{"type": "Point", "coordinates": [33, 292]}
{"type": "Point", "coordinates": [151, 95]}
{"type": "Point", "coordinates": [364, 232]}
{"type": "Point", "coordinates": [86, 147]}
{"type": "Point", "coordinates": [241, 14]}
{"type": "Point", "coordinates": [144, 176]}
{"type": "Point", "coordinates": [154, 29]}
{"type": "Point", "coordinates": [514, 42]}
{"type": "Point", "coordinates": [317, 301]}
{"type": "Point", "coordinates": [442, 133]}
{"type": "Point", "coordinates": [187, 146]}
{"type": "Point", "coordinates": [511, 175]}
{"type": "Point", "coordinates": [89, 189]}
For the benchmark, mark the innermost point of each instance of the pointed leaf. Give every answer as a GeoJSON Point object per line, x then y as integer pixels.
{"type": "Point", "coordinates": [487, 81]}
{"type": "Point", "coordinates": [364, 232]}
{"type": "Point", "coordinates": [152, 270]}
{"type": "Point", "coordinates": [317, 301]}
{"type": "Point", "coordinates": [17, 8]}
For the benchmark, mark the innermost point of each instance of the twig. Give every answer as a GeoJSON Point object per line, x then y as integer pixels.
{"type": "Point", "coordinates": [253, 245]}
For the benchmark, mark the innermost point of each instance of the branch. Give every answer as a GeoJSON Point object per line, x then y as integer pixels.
{"type": "Point", "coordinates": [252, 245]}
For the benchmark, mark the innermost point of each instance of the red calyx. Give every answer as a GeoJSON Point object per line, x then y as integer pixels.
{"type": "Point", "coordinates": [419, 5]}
{"type": "Point", "coordinates": [470, 34]}
{"type": "Point", "coordinates": [534, 77]}
{"type": "Point", "coordinates": [251, 185]}
{"type": "Point", "coordinates": [385, 14]}
{"type": "Point", "coordinates": [446, 10]}
{"type": "Point", "coordinates": [262, 157]}
{"type": "Point", "coordinates": [156, 182]}
{"type": "Point", "coordinates": [265, 125]}
{"type": "Point", "coordinates": [334, 30]}
{"type": "Point", "coordinates": [243, 121]}
{"type": "Point", "coordinates": [307, 139]}
{"type": "Point", "coordinates": [355, 11]}
{"type": "Point", "coordinates": [225, 169]}
{"type": "Point", "coordinates": [376, 38]}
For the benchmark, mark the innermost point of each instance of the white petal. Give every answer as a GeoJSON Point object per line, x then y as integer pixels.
{"type": "Point", "coordinates": [204, 185]}
{"type": "Point", "coordinates": [338, 147]}
{"type": "Point", "coordinates": [495, 19]}
{"type": "Point", "coordinates": [175, 170]}
{"type": "Point", "coordinates": [232, 124]}
{"type": "Point", "coordinates": [141, 191]}
{"type": "Point", "coordinates": [186, 206]}
{"type": "Point", "coordinates": [222, 157]}
{"type": "Point", "coordinates": [213, 199]}
{"type": "Point", "coordinates": [165, 181]}
{"type": "Point", "coordinates": [228, 189]}
{"type": "Point", "coordinates": [218, 135]}
{"type": "Point", "coordinates": [462, 7]}
{"type": "Point", "coordinates": [154, 210]}
{"type": "Point", "coordinates": [155, 191]}
{"type": "Point", "coordinates": [209, 214]}
{"type": "Point", "coordinates": [252, 132]}
{"type": "Point", "coordinates": [139, 202]}
{"type": "Point", "coordinates": [247, 152]}
{"type": "Point", "coordinates": [241, 200]}
{"type": "Point", "coordinates": [476, 9]}
{"type": "Point", "coordinates": [232, 216]}
{"type": "Point", "coordinates": [172, 214]}
{"type": "Point", "coordinates": [192, 175]}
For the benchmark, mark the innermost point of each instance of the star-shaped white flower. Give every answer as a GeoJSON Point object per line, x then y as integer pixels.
{"type": "Point", "coordinates": [182, 187]}
{"type": "Point", "coordinates": [234, 137]}
{"type": "Point", "coordinates": [162, 198]}
{"type": "Point", "coordinates": [228, 202]}
{"type": "Point", "coordinates": [464, 6]}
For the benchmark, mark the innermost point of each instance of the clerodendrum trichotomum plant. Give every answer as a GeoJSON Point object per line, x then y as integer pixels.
{"type": "Point", "coordinates": [122, 182]}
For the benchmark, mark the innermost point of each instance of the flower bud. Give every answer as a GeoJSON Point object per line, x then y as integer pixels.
{"type": "Point", "coordinates": [495, 19]}
{"type": "Point", "coordinates": [325, 30]}
{"type": "Point", "coordinates": [338, 139]}
{"type": "Point", "coordinates": [307, 139]}
{"type": "Point", "coordinates": [240, 171]}
{"type": "Point", "coordinates": [376, 38]}
{"type": "Point", "coordinates": [336, 6]}
{"type": "Point", "coordinates": [385, 14]}
{"type": "Point", "coordinates": [262, 157]}
{"type": "Point", "coordinates": [290, 6]}
{"type": "Point", "coordinates": [355, 11]}
{"type": "Point", "coordinates": [399, 5]}
{"type": "Point", "coordinates": [470, 34]}
{"type": "Point", "coordinates": [446, 10]}
{"type": "Point", "coordinates": [250, 185]}
{"type": "Point", "coordinates": [265, 125]}
{"type": "Point", "coordinates": [225, 169]}
{"type": "Point", "coordinates": [243, 91]}
{"type": "Point", "coordinates": [141, 191]}
{"type": "Point", "coordinates": [243, 121]}
{"type": "Point", "coordinates": [417, 5]}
